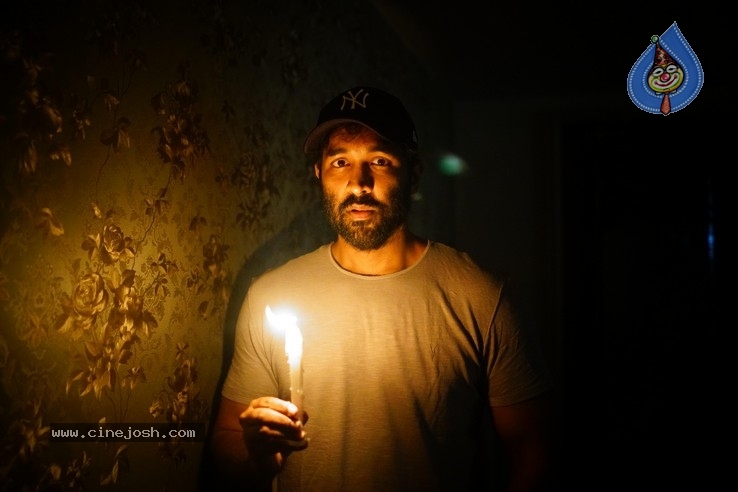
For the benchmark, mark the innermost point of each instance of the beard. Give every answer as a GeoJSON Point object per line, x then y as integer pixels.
{"type": "Point", "coordinates": [373, 233]}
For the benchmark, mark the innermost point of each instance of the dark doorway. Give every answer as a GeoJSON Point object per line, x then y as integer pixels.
{"type": "Point", "coordinates": [644, 223]}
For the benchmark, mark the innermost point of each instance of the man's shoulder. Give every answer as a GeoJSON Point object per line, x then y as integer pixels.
{"type": "Point", "coordinates": [461, 264]}
{"type": "Point", "coordinates": [299, 265]}
{"type": "Point", "coordinates": [445, 252]}
{"type": "Point", "coordinates": [450, 252]}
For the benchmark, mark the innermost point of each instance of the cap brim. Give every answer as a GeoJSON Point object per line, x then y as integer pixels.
{"type": "Point", "coordinates": [315, 137]}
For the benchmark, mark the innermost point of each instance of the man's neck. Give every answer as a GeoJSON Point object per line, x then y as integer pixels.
{"type": "Point", "coordinates": [401, 251]}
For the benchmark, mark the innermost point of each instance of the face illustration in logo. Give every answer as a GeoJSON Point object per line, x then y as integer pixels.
{"type": "Point", "coordinates": [666, 75]}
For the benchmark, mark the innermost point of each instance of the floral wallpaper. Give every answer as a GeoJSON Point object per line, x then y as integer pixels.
{"type": "Point", "coordinates": [151, 165]}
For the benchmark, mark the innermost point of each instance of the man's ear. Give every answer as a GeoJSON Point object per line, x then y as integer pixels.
{"type": "Point", "coordinates": [316, 167]}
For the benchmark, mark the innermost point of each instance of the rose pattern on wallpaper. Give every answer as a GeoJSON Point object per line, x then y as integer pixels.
{"type": "Point", "coordinates": [105, 325]}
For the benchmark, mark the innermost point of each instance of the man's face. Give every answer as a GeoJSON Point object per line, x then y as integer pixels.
{"type": "Point", "coordinates": [366, 188]}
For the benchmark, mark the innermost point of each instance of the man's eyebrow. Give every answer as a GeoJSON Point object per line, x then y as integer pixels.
{"type": "Point", "coordinates": [385, 148]}
{"type": "Point", "coordinates": [380, 147]}
{"type": "Point", "coordinates": [331, 151]}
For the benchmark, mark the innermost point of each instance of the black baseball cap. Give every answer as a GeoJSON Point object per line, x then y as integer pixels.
{"type": "Point", "coordinates": [374, 108]}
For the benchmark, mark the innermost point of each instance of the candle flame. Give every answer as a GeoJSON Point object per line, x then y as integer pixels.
{"type": "Point", "coordinates": [293, 336]}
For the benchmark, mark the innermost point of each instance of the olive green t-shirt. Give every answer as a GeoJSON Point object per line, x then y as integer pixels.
{"type": "Point", "coordinates": [397, 369]}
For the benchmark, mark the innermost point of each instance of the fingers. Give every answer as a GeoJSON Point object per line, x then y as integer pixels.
{"type": "Point", "coordinates": [282, 406]}
{"type": "Point", "coordinates": [273, 410]}
{"type": "Point", "coordinates": [270, 426]}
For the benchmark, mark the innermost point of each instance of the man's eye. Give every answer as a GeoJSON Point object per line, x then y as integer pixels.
{"type": "Point", "coordinates": [381, 161]}
{"type": "Point", "coordinates": [340, 163]}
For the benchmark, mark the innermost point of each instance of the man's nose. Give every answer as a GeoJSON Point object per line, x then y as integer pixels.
{"type": "Point", "coordinates": [361, 180]}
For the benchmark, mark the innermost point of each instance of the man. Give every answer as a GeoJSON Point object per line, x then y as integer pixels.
{"type": "Point", "coordinates": [412, 355]}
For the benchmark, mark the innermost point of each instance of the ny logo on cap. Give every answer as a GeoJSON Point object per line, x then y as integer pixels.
{"type": "Point", "coordinates": [354, 99]}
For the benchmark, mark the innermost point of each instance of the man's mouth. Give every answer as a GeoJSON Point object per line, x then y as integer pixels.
{"type": "Point", "coordinates": [361, 208]}
{"type": "Point", "coordinates": [358, 212]}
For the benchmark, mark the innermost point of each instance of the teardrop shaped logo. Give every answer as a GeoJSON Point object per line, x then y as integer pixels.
{"type": "Point", "coordinates": [667, 76]}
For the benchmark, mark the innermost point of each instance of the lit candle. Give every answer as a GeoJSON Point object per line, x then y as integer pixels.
{"type": "Point", "coordinates": [293, 349]}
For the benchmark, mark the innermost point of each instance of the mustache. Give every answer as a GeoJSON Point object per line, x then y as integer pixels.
{"type": "Point", "coordinates": [360, 200]}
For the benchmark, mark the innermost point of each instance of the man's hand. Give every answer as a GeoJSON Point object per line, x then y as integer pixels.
{"type": "Point", "coordinates": [270, 426]}
{"type": "Point", "coordinates": [250, 442]}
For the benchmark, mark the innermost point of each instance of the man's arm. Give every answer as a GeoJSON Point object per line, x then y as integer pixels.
{"type": "Point", "coordinates": [249, 441]}
{"type": "Point", "coordinates": [526, 430]}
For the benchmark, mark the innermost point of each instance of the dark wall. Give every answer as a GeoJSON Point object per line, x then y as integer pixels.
{"type": "Point", "coordinates": [645, 221]}
{"type": "Point", "coordinates": [617, 224]}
